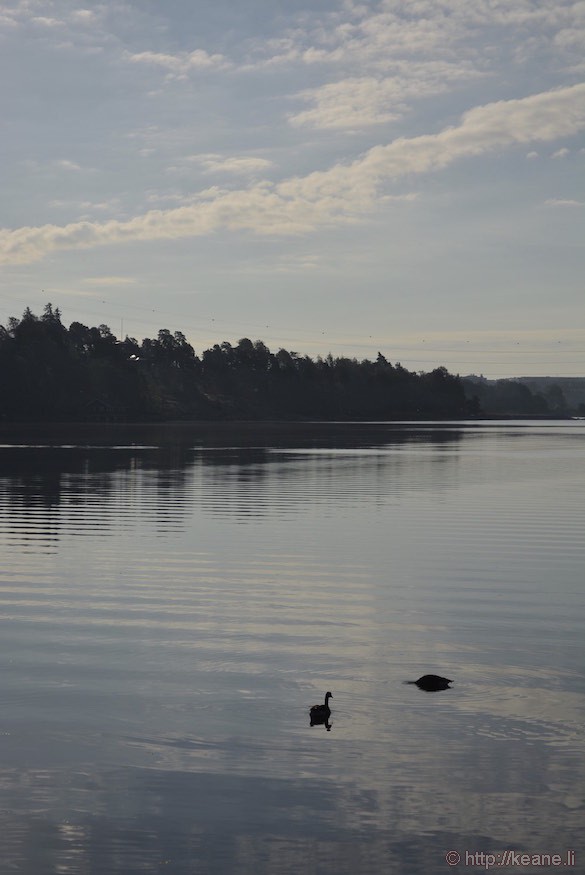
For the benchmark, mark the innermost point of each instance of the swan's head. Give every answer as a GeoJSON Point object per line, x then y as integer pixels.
{"type": "Point", "coordinates": [328, 696]}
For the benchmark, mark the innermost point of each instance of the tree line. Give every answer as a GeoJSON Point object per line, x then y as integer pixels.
{"type": "Point", "coordinates": [53, 373]}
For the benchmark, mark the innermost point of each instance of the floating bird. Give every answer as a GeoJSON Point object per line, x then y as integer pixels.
{"type": "Point", "coordinates": [432, 683]}
{"type": "Point", "coordinates": [320, 713]}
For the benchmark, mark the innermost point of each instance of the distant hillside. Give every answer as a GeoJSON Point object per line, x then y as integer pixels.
{"type": "Point", "coordinates": [573, 388]}
{"type": "Point", "coordinates": [528, 396]}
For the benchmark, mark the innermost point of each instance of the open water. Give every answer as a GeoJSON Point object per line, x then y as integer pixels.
{"type": "Point", "coordinates": [174, 598]}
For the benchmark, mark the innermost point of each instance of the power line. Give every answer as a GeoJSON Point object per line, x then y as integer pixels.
{"type": "Point", "coordinates": [439, 353]}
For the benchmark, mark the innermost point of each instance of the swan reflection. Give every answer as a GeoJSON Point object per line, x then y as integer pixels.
{"type": "Point", "coordinates": [321, 721]}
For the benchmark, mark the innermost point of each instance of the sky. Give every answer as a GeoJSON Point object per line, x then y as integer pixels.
{"type": "Point", "coordinates": [403, 176]}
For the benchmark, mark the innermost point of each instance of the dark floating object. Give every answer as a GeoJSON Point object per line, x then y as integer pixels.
{"type": "Point", "coordinates": [320, 714]}
{"type": "Point", "coordinates": [431, 683]}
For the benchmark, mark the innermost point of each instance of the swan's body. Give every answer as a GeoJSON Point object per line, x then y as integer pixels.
{"type": "Point", "coordinates": [320, 713]}
{"type": "Point", "coordinates": [432, 682]}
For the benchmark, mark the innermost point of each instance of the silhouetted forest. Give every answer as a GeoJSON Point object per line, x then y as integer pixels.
{"type": "Point", "coordinates": [53, 373]}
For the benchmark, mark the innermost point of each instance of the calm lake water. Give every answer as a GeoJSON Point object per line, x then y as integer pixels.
{"type": "Point", "coordinates": [174, 598]}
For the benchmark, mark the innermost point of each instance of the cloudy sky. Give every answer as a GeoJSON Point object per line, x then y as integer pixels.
{"type": "Point", "coordinates": [405, 175]}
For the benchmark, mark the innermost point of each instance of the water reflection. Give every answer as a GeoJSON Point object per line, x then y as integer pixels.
{"type": "Point", "coordinates": [236, 471]}
{"type": "Point", "coordinates": [320, 720]}
{"type": "Point", "coordinates": [40, 473]}
{"type": "Point", "coordinates": [171, 601]}
{"type": "Point", "coordinates": [421, 804]}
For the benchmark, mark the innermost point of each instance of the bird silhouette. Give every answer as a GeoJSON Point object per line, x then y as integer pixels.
{"type": "Point", "coordinates": [320, 714]}
{"type": "Point", "coordinates": [431, 683]}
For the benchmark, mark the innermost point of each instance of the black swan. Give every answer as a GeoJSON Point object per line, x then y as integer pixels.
{"type": "Point", "coordinates": [432, 683]}
{"type": "Point", "coordinates": [320, 713]}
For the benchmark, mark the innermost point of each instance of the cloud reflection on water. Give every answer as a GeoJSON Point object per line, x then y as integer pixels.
{"type": "Point", "coordinates": [169, 615]}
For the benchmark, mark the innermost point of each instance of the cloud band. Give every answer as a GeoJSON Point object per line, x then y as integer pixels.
{"type": "Point", "coordinates": [340, 194]}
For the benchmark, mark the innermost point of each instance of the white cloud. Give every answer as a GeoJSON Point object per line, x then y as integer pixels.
{"type": "Point", "coordinates": [109, 280]}
{"type": "Point", "coordinates": [154, 197]}
{"type": "Point", "coordinates": [182, 63]}
{"type": "Point", "coordinates": [83, 16]}
{"type": "Point", "coordinates": [101, 206]}
{"type": "Point", "coordinates": [42, 21]}
{"type": "Point", "coordinates": [409, 197]}
{"type": "Point", "coordinates": [52, 168]}
{"type": "Point", "coordinates": [563, 202]}
{"type": "Point", "coordinates": [341, 194]}
{"type": "Point", "coordinates": [358, 102]}
{"type": "Point", "coordinates": [295, 264]}
{"type": "Point", "coordinates": [485, 34]}
{"type": "Point", "coordinates": [236, 165]}
{"type": "Point", "coordinates": [560, 153]}
{"type": "Point", "coordinates": [65, 164]}
{"type": "Point", "coordinates": [352, 103]}
{"type": "Point", "coordinates": [68, 292]}
{"type": "Point", "coordinates": [6, 19]}
{"type": "Point", "coordinates": [571, 39]}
